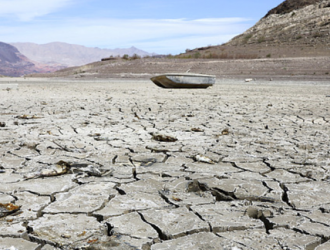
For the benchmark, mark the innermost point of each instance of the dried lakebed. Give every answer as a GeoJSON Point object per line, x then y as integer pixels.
{"type": "Point", "coordinates": [127, 165]}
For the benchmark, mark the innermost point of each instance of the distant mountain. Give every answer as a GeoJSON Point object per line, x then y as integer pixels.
{"type": "Point", "coordinates": [295, 28]}
{"type": "Point", "coordinates": [13, 63]}
{"type": "Point", "coordinates": [68, 55]}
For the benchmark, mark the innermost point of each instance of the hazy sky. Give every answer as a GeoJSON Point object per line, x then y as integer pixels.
{"type": "Point", "coordinates": [160, 26]}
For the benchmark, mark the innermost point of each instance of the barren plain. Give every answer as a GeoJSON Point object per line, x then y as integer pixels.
{"type": "Point", "coordinates": [302, 68]}
{"type": "Point", "coordinates": [123, 164]}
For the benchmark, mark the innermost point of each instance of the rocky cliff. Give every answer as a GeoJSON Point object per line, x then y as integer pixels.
{"type": "Point", "coordinates": [295, 28]}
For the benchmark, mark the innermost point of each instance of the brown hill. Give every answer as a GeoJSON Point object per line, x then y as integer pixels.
{"type": "Point", "coordinates": [296, 28]}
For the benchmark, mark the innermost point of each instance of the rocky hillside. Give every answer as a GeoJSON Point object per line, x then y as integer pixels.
{"type": "Point", "coordinates": [295, 28]}
{"type": "Point", "coordinates": [68, 55]}
{"type": "Point", "coordinates": [291, 5]}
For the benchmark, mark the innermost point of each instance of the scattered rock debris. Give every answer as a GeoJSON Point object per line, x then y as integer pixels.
{"type": "Point", "coordinates": [202, 158]}
{"type": "Point", "coordinates": [197, 130]}
{"type": "Point", "coordinates": [163, 138]}
{"type": "Point", "coordinates": [225, 131]}
{"type": "Point", "coordinates": [91, 177]}
{"type": "Point", "coordinates": [7, 209]}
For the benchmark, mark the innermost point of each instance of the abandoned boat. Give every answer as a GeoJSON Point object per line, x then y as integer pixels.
{"type": "Point", "coordinates": [183, 80]}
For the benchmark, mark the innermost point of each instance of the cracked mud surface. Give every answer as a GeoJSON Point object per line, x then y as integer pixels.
{"type": "Point", "coordinates": [127, 165]}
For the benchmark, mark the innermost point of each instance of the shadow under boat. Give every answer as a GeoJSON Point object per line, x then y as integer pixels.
{"type": "Point", "coordinates": [184, 80]}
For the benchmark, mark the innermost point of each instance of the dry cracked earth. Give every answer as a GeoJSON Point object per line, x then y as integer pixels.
{"type": "Point", "coordinates": [127, 165]}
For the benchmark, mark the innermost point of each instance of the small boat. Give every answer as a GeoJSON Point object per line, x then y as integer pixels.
{"type": "Point", "coordinates": [183, 80]}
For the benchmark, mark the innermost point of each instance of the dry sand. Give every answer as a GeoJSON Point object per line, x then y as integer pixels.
{"type": "Point", "coordinates": [79, 168]}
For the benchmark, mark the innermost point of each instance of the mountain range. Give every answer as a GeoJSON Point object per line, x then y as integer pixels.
{"type": "Point", "coordinates": [68, 55]}
{"type": "Point", "coordinates": [18, 59]}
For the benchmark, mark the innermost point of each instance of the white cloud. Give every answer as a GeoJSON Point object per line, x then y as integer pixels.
{"type": "Point", "coordinates": [160, 36]}
{"type": "Point", "coordinates": [27, 10]}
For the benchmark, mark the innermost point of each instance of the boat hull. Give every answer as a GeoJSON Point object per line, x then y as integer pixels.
{"type": "Point", "coordinates": [184, 80]}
